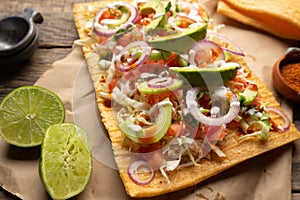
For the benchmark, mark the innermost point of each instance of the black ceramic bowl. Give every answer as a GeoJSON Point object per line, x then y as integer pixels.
{"type": "Point", "coordinates": [19, 36]}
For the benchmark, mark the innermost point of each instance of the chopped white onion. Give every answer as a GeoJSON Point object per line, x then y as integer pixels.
{"type": "Point", "coordinates": [218, 121]}
{"type": "Point", "coordinates": [160, 82]}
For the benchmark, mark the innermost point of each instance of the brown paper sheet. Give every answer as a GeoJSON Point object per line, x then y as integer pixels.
{"type": "Point", "coordinates": [265, 177]}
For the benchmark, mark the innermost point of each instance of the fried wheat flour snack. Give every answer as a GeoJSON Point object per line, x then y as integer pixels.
{"type": "Point", "coordinates": [178, 101]}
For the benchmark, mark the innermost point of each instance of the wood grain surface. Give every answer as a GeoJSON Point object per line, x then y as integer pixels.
{"type": "Point", "coordinates": [57, 34]}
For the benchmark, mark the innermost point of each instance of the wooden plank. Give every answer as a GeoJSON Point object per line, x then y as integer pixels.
{"type": "Point", "coordinates": [296, 154]}
{"type": "Point", "coordinates": [295, 196]}
{"type": "Point", "coordinates": [58, 29]}
{"type": "Point", "coordinates": [296, 165]}
{"type": "Point", "coordinates": [296, 177]}
{"type": "Point", "coordinates": [27, 74]}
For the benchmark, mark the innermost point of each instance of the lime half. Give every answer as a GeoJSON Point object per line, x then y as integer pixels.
{"type": "Point", "coordinates": [27, 112]}
{"type": "Point", "coordinates": [66, 161]}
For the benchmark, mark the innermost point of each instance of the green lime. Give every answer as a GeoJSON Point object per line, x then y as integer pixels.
{"type": "Point", "coordinates": [66, 160]}
{"type": "Point", "coordinates": [27, 112]}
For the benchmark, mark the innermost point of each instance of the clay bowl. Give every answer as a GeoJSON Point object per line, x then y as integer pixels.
{"type": "Point", "coordinates": [292, 56]}
{"type": "Point", "coordinates": [19, 36]}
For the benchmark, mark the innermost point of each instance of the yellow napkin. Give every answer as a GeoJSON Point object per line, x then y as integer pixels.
{"type": "Point", "coordinates": [279, 17]}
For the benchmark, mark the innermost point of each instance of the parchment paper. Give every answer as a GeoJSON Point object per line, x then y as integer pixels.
{"type": "Point", "coordinates": [265, 177]}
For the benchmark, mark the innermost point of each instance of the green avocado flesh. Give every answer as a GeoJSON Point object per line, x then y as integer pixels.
{"type": "Point", "coordinates": [158, 8]}
{"type": "Point", "coordinates": [179, 42]}
{"type": "Point", "coordinates": [145, 89]}
{"type": "Point", "coordinates": [248, 96]}
{"type": "Point", "coordinates": [153, 133]}
{"type": "Point", "coordinates": [203, 77]}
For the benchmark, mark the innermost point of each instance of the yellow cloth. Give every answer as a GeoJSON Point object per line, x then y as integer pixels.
{"type": "Point", "coordinates": [279, 17]}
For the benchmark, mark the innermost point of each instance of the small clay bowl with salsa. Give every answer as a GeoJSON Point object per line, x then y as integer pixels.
{"type": "Point", "coordinates": [286, 75]}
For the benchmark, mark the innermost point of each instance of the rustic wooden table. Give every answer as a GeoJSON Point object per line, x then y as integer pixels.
{"type": "Point", "coordinates": [57, 34]}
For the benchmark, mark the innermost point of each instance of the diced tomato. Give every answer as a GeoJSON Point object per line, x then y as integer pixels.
{"type": "Point", "coordinates": [252, 87]}
{"type": "Point", "coordinates": [172, 61]}
{"type": "Point", "coordinates": [101, 40]}
{"type": "Point", "coordinates": [148, 148]}
{"type": "Point", "coordinates": [187, 10]}
{"type": "Point", "coordinates": [211, 132]}
{"type": "Point", "coordinates": [144, 20]}
{"type": "Point", "coordinates": [257, 102]}
{"type": "Point", "coordinates": [151, 16]}
{"type": "Point", "coordinates": [176, 129]}
{"type": "Point", "coordinates": [153, 99]}
{"type": "Point", "coordinates": [106, 15]}
{"type": "Point", "coordinates": [185, 21]}
{"type": "Point", "coordinates": [233, 124]}
{"type": "Point", "coordinates": [155, 62]}
{"type": "Point", "coordinates": [238, 83]}
{"type": "Point", "coordinates": [112, 85]}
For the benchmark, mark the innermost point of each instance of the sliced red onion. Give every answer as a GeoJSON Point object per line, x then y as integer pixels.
{"type": "Point", "coordinates": [160, 82]}
{"type": "Point", "coordinates": [123, 67]}
{"type": "Point", "coordinates": [283, 127]}
{"type": "Point", "coordinates": [192, 105]}
{"type": "Point", "coordinates": [133, 172]}
{"type": "Point", "coordinates": [201, 52]}
{"type": "Point", "coordinates": [235, 49]}
{"type": "Point", "coordinates": [102, 30]}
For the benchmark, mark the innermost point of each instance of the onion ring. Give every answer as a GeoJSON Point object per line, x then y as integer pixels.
{"type": "Point", "coordinates": [286, 125]}
{"type": "Point", "coordinates": [126, 67]}
{"type": "Point", "coordinates": [103, 30]}
{"type": "Point", "coordinates": [133, 172]}
{"type": "Point", "coordinates": [235, 49]}
{"type": "Point", "coordinates": [205, 52]}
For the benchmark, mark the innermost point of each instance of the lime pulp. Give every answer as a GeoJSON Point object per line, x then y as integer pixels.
{"type": "Point", "coordinates": [27, 112]}
{"type": "Point", "coordinates": [66, 161]}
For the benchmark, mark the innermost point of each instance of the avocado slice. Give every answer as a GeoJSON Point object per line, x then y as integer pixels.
{"type": "Point", "coordinates": [145, 89]}
{"type": "Point", "coordinates": [203, 77]}
{"type": "Point", "coordinates": [157, 7]}
{"type": "Point", "coordinates": [179, 42]}
{"type": "Point", "coordinates": [248, 95]}
{"type": "Point", "coordinates": [118, 22]}
{"type": "Point", "coordinates": [153, 133]}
